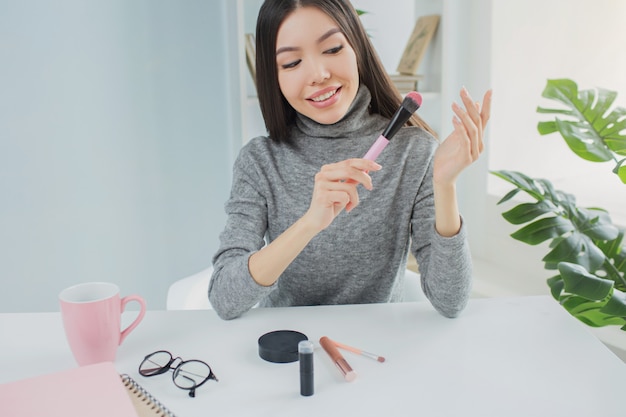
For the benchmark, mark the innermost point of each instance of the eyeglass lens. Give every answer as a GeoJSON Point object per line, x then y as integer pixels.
{"type": "Point", "coordinates": [191, 374]}
{"type": "Point", "coordinates": [156, 363]}
{"type": "Point", "coordinates": [188, 375]}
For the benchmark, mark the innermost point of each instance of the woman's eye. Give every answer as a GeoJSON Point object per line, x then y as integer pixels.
{"type": "Point", "coordinates": [291, 64]}
{"type": "Point", "coordinates": [334, 50]}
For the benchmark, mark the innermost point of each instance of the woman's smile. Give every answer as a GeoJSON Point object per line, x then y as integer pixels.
{"type": "Point", "coordinates": [326, 97]}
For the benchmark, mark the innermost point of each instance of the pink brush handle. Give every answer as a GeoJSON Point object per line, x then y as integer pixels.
{"type": "Point", "coordinates": [376, 148]}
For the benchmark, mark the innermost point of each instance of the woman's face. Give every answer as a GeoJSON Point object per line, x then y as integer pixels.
{"type": "Point", "coordinates": [317, 68]}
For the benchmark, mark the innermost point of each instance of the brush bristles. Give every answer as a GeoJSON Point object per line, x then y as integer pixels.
{"type": "Point", "coordinates": [412, 101]}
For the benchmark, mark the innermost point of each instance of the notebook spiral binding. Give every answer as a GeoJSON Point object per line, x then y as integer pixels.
{"type": "Point", "coordinates": [144, 398]}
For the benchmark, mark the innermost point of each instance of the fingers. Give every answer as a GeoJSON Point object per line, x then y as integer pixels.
{"type": "Point", "coordinates": [352, 171]}
{"type": "Point", "coordinates": [481, 144]}
{"type": "Point", "coordinates": [468, 128]}
{"type": "Point", "coordinates": [470, 105]}
{"type": "Point", "coordinates": [485, 114]}
{"type": "Point", "coordinates": [343, 200]}
{"type": "Point", "coordinates": [333, 193]}
{"type": "Point", "coordinates": [474, 119]}
{"type": "Point", "coordinates": [336, 184]}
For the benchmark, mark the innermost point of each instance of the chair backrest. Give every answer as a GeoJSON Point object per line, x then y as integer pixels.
{"type": "Point", "coordinates": [413, 287]}
{"type": "Point", "coordinates": [190, 293]}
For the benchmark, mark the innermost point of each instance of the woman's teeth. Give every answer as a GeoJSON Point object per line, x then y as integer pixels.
{"type": "Point", "coordinates": [324, 96]}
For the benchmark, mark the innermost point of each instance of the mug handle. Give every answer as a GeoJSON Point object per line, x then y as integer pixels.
{"type": "Point", "coordinates": [142, 312]}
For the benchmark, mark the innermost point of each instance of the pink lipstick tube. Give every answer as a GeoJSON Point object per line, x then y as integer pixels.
{"type": "Point", "coordinates": [345, 369]}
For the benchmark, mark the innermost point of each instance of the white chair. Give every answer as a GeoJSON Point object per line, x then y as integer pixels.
{"type": "Point", "coordinates": [191, 293]}
{"type": "Point", "coordinates": [413, 287]}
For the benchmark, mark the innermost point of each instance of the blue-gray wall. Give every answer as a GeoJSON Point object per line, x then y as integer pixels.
{"type": "Point", "coordinates": [115, 146]}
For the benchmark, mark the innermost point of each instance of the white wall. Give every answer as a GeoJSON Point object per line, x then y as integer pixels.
{"type": "Point", "coordinates": [114, 158]}
{"type": "Point", "coordinates": [543, 39]}
{"type": "Point", "coordinates": [533, 41]}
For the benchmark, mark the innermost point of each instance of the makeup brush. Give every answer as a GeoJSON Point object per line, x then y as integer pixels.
{"type": "Point", "coordinates": [359, 351]}
{"type": "Point", "coordinates": [412, 101]}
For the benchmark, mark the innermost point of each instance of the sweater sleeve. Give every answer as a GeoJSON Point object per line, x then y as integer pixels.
{"type": "Point", "coordinates": [445, 263]}
{"type": "Point", "coordinates": [232, 290]}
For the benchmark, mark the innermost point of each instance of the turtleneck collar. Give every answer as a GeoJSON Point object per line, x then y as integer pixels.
{"type": "Point", "coordinates": [357, 120]}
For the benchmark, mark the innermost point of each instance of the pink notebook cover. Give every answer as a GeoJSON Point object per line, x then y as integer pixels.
{"type": "Point", "coordinates": [88, 391]}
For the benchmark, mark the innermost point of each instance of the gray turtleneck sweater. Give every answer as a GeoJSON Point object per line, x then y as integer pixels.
{"type": "Point", "coordinates": [361, 257]}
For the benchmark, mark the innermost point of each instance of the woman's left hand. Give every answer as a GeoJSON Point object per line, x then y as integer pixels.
{"type": "Point", "coordinates": [465, 144]}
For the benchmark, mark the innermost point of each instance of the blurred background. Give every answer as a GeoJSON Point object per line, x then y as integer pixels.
{"type": "Point", "coordinates": [120, 121]}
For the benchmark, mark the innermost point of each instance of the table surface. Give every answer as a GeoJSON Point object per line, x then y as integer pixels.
{"type": "Point", "coordinates": [502, 357]}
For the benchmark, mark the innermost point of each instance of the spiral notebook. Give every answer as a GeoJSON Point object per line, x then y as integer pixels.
{"type": "Point", "coordinates": [87, 391]}
{"type": "Point", "coordinates": [91, 390]}
{"type": "Point", "coordinates": [145, 404]}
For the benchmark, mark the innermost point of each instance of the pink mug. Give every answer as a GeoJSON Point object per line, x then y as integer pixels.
{"type": "Point", "coordinates": [92, 317]}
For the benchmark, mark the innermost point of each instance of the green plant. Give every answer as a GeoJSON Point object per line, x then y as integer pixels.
{"type": "Point", "coordinates": [587, 250]}
{"type": "Point", "coordinates": [591, 131]}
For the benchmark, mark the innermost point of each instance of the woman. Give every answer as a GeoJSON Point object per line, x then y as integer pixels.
{"type": "Point", "coordinates": [300, 229]}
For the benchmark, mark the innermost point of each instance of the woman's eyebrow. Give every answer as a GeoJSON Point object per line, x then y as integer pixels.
{"type": "Point", "coordinates": [321, 39]}
{"type": "Point", "coordinates": [328, 34]}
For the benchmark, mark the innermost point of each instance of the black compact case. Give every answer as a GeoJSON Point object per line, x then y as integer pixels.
{"type": "Point", "coordinates": [280, 346]}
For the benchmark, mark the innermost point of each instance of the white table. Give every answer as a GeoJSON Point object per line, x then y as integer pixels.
{"type": "Point", "coordinates": [501, 357]}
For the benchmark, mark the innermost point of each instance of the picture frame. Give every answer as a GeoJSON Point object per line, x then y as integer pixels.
{"type": "Point", "coordinates": [418, 42]}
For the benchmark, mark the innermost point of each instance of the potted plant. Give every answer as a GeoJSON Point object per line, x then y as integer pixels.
{"type": "Point", "coordinates": [587, 251]}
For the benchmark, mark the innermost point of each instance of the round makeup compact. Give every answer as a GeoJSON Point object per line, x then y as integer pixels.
{"type": "Point", "coordinates": [280, 346]}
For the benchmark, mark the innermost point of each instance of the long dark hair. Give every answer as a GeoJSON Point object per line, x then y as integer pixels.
{"type": "Point", "coordinates": [278, 114]}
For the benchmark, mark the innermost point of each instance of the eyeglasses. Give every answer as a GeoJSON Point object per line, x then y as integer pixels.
{"type": "Point", "coordinates": [188, 375]}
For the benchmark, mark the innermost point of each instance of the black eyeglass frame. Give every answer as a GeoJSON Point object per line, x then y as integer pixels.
{"type": "Point", "coordinates": [176, 370]}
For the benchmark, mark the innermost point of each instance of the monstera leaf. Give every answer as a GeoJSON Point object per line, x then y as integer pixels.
{"type": "Point", "coordinates": [575, 232]}
{"type": "Point", "coordinates": [591, 299]}
{"type": "Point", "coordinates": [588, 251]}
{"type": "Point", "coordinates": [590, 129]}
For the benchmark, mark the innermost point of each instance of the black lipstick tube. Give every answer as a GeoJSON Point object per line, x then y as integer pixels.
{"type": "Point", "coordinates": [305, 357]}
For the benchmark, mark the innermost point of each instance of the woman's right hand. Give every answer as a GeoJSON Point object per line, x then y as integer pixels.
{"type": "Point", "coordinates": [336, 189]}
